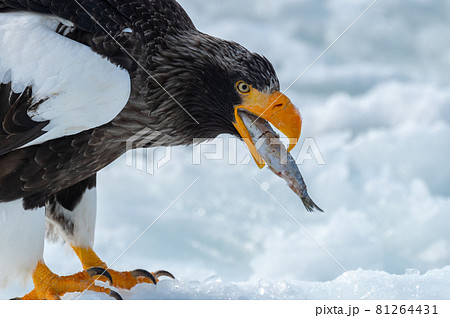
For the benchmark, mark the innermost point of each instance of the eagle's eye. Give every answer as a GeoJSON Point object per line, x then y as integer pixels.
{"type": "Point", "coordinates": [243, 87]}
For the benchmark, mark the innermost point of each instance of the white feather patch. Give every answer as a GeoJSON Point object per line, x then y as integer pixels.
{"type": "Point", "coordinates": [82, 89]}
{"type": "Point", "coordinates": [21, 241]}
{"type": "Point", "coordinates": [83, 220]}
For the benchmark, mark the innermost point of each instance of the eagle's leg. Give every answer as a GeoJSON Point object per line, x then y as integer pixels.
{"type": "Point", "coordinates": [48, 285]}
{"type": "Point", "coordinates": [125, 280]}
{"type": "Point", "coordinates": [71, 214]}
{"type": "Point", "coordinates": [22, 235]}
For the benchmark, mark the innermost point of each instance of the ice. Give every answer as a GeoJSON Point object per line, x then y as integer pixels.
{"type": "Point", "coordinates": [358, 284]}
{"type": "Point", "coordinates": [377, 105]}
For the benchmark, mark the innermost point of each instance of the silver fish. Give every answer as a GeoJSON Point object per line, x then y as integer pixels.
{"type": "Point", "coordinates": [278, 159]}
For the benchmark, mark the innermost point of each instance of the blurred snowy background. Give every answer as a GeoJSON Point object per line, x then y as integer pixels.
{"type": "Point", "coordinates": [378, 106]}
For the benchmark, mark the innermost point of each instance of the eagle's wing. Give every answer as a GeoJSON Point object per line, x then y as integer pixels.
{"type": "Point", "coordinates": [58, 77]}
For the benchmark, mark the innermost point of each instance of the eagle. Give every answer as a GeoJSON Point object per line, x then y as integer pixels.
{"type": "Point", "coordinates": [80, 78]}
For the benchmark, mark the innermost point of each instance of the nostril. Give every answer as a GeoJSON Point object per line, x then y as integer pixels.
{"type": "Point", "coordinates": [278, 105]}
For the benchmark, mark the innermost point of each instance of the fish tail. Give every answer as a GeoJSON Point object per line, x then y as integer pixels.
{"type": "Point", "coordinates": [310, 205]}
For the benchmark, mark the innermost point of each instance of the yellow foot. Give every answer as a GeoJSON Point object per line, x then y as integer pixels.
{"type": "Point", "coordinates": [127, 280]}
{"type": "Point", "coordinates": [48, 285]}
{"type": "Point", "coordinates": [124, 280]}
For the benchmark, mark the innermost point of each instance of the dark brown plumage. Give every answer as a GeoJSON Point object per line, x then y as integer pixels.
{"type": "Point", "coordinates": [197, 70]}
{"type": "Point", "coordinates": [79, 80]}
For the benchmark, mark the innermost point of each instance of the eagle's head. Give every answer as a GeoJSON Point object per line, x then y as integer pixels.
{"type": "Point", "coordinates": [207, 82]}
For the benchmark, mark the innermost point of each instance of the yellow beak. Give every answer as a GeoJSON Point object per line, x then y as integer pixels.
{"type": "Point", "coordinates": [278, 110]}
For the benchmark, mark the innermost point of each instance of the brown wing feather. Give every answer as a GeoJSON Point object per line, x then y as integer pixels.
{"type": "Point", "coordinates": [17, 128]}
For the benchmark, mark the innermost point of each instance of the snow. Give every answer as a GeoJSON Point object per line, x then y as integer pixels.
{"type": "Point", "coordinates": [378, 107]}
{"type": "Point", "coordinates": [358, 284]}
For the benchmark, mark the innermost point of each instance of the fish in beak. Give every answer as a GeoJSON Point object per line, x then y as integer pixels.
{"type": "Point", "coordinates": [275, 108]}
{"type": "Point", "coordinates": [252, 122]}
{"type": "Point", "coordinates": [278, 159]}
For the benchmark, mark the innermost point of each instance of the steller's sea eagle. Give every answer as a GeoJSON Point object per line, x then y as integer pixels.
{"type": "Point", "coordinates": [78, 78]}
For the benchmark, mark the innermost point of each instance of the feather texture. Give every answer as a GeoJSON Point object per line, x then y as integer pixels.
{"type": "Point", "coordinates": [73, 89]}
{"type": "Point", "coordinates": [21, 241]}
{"type": "Point", "coordinates": [71, 214]}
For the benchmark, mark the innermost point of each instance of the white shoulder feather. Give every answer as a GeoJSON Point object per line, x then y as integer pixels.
{"type": "Point", "coordinates": [81, 89]}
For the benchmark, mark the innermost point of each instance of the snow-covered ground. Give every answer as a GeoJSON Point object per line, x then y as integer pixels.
{"type": "Point", "coordinates": [359, 284]}
{"type": "Point", "coordinates": [378, 107]}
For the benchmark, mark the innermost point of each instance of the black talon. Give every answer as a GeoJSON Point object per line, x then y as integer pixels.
{"type": "Point", "coordinates": [98, 271]}
{"type": "Point", "coordinates": [158, 274]}
{"type": "Point", "coordinates": [143, 273]}
{"type": "Point", "coordinates": [115, 295]}
{"type": "Point", "coordinates": [15, 298]}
